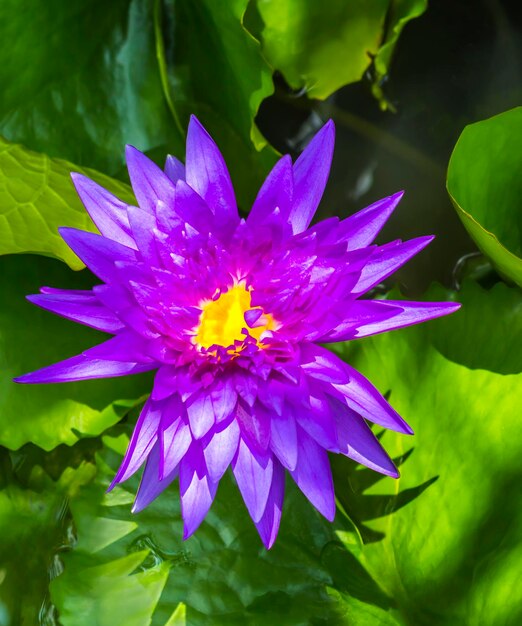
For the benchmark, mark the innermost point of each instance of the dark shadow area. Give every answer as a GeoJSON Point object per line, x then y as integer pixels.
{"type": "Point", "coordinates": [351, 484]}
{"type": "Point", "coordinates": [456, 64]}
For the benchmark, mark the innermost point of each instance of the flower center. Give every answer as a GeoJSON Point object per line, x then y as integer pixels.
{"type": "Point", "coordinates": [222, 320]}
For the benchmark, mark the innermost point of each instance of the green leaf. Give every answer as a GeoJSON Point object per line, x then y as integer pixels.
{"type": "Point", "coordinates": [222, 574]}
{"type": "Point", "coordinates": [450, 555]}
{"type": "Point", "coordinates": [30, 338]}
{"type": "Point", "coordinates": [81, 80]}
{"type": "Point", "coordinates": [33, 528]}
{"type": "Point", "coordinates": [317, 45]}
{"type": "Point", "coordinates": [497, 313]}
{"type": "Point", "coordinates": [485, 186]}
{"type": "Point", "coordinates": [213, 67]}
{"type": "Point", "coordinates": [37, 196]}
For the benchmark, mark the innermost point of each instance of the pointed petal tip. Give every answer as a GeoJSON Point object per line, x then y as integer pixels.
{"type": "Point", "coordinates": [189, 531]}
{"type": "Point", "coordinates": [268, 543]}
{"type": "Point", "coordinates": [426, 239]}
{"type": "Point", "coordinates": [78, 178]}
{"type": "Point", "coordinates": [131, 153]}
{"type": "Point", "coordinates": [21, 379]}
{"type": "Point", "coordinates": [329, 514]}
{"type": "Point", "coordinates": [136, 508]}
{"type": "Point", "coordinates": [194, 122]}
{"type": "Point", "coordinates": [408, 430]}
{"type": "Point", "coordinates": [113, 484]}
{"type": "Point", "coordinates": [452, 307]}
{"type": "Point", "coordinates": [330, 126]}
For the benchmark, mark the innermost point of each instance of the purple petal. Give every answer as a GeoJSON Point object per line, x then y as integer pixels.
{"type": "Point", "coordinates": [144, 436]}
{"type": "Point", "coordinates": [276, 192]}
{"type": "Point", "coordinates": [356, 314]}
{"type": "Point", "coordinates": [283, 439]}
{"type": "Point", "coordinates": [322, 364]}
{"type": "Point", "coordinates": [197, 492]}
{"type": "Point", "coordinates": [255, 425]}
{"type": "Point", "coordinates": [175, 440]}
{"type": "Point", "coordinates": [151, 484]}
{"type": "Point", "coordinates": [120, 300]}
{"type": "Point", "coordinates": [224, 399]}
{"type": "Point", "coordinates": [407, 313]}
{"type": "Point", "coordinates": [98, 253]}
{"type": "Point", "coordinates": [207, 173]}
{"type": "Point", "coordinates": [253, 474]}
{"type": "Point", "coordinates": [126, 346]}
{"type": "Point", "coordinates": [108, 212]}
{"type": "Point", "coordinates": [82, 367]}
{"type": "Point", "coordinates": [311, 172]}
{"type": "Point", "coordinates": [84, 308]}
{"type": "Point", "coordinates": [221, 449]}
{"type": "Point", "coordinates": [149, 183]}
{"type": "Point", "coordinates": [200, 413]}
{"type": "Point", "coordinates": [363, 398]}
{"type": "Point", "coordinates": [145, 233]}
{"type": "Point", "coordinates": [174, 169]}
{"type": "Point", "coordinates": [318, 420]}
{"type": "Point", "coordinates": [268, 525]}
{"type": "Point", "coordinates": [192, 208]}
{"type": "Point", "coordinates": [314, 477]}
{"type": "Point", "coordinates": [252, 317]}
{"type": "Point", "coordinates": [358, 442]}
{"type": "Point", "coordinates": [359, 230]}
{"type": "Point", "coordinates": [386, 260]}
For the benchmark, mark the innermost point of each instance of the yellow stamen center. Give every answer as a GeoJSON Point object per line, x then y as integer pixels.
{"type": "Point", "coordinates": [222, 320]}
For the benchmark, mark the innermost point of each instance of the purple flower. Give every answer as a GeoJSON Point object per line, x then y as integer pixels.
{"type": "Point", "coordinates": [231, 313]}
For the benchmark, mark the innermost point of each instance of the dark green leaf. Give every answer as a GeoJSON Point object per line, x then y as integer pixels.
{"type": "Point", "coordinates": [30, 338]}
{"type": "Point", "coordinates": [488, 327]}
{"type": "Point", "coordinates": [400, 12]}
{"type": "Point", "coordinates": [34, 529]}
{"type": "Point", "coordinates": [214, 69]}
{"type": "Point", "coordinates": [80, 80]}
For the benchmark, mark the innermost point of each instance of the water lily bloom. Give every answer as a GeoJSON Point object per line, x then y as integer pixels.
{"type": "Point", "coordinates": [232, 313]}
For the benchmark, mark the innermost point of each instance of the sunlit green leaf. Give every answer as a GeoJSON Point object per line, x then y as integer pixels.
{"type": "Point", "coordinates": [31, 338]}
{"type": "Point", "coordinates": [298, 39]}
{"type": "Point", "coordinates": [37, 197]}
{"type": "Point", "coordinates": [485, 186]}
{"type": "Point", "coordinates": [450, 555]}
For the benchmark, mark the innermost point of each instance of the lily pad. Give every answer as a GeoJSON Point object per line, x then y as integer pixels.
{"type": "Point", "coordinates": [485, 186]}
